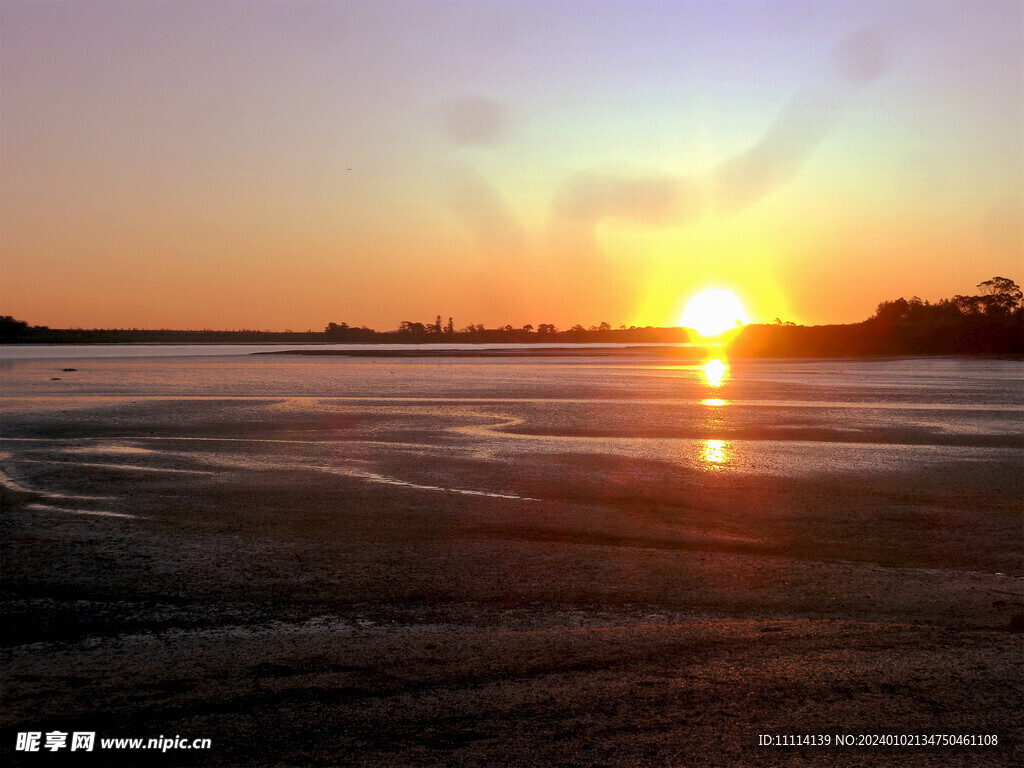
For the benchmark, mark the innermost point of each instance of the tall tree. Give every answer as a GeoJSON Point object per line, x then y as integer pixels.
{"type": "Point", "coordinates": [1001, 295]}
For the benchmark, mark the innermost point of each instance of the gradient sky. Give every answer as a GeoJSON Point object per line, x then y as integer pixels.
{"type": "Point", "coordinates": [278, 165]}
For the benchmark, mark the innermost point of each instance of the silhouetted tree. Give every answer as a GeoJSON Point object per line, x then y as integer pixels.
{"type": "Point", "coordinates": [964, 305]}
{"type": "Point", "coordinates": [891, 311]}
{"type": "Point", "coordinates": [984, 324]}
{"type": "Point", "coordinates": [1001, 286]}
{"type": "Point", "coordinates": [11, 327]}
{"type": "Point", "coordinates": [1000, 296]}
{"type": "Point", "coordinates": [336, 331]}
{"type": "Point", "coordinates": [412, 329]}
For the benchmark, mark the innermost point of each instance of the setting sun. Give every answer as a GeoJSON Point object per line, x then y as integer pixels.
{"type": "Point", "coordinates": [713, 312]}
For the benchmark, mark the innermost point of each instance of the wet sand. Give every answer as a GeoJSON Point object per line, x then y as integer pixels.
{"type": "Point", "coordinates": [671, 351]}
{"type": "Point", "coordinates": [346, 584]}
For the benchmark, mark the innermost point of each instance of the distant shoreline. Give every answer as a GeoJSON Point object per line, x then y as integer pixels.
{"type": "Point", "coordinates": [696, 350]}
{"type": "Point", "coordinates": [960, 335]}
{"type": "Point", "coordinates": [690, 352]}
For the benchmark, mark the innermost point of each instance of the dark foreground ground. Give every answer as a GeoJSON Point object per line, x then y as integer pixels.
{"type": "Point", "coordinates": [618, 613]}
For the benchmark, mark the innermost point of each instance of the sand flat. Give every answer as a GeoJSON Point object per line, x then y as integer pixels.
{"type": "Point", "coordinates": [389, 583]}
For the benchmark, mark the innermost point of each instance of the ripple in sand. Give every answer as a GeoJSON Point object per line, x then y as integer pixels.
{"type": "Point", "coordinates": [96, 512]}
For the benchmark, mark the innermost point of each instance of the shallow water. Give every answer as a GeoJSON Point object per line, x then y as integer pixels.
{"type": "Point", "coordinates": [372, 418]}
{"type": "Point", "coordinates": [133, 350]}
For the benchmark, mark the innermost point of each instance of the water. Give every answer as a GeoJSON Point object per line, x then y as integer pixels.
{"type": "Point", "coordinates": [92, 351]}
{"type": "Point", "coordinates": [455, 426]}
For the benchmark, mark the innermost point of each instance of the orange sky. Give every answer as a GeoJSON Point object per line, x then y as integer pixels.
{"type": "Point", "coordinates": [285, 165]}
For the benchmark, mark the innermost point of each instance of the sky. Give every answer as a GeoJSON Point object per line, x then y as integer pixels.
{"type": "Point", "coordinates": [282, 165]}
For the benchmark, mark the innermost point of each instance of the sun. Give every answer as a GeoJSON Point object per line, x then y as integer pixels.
{"type": "Point", "coordinates": [713, 312]}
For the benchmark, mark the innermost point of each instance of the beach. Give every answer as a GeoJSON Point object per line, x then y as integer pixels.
{"type": "Point", "coordinates": [580, 560]}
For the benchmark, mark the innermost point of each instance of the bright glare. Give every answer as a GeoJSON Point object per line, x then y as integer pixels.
{"type": "Point", "coordinates": [713, 312]}
{"type": "Point", "coordinates": [714, 372]}
{"type": "Point", "coordinates": [715, 452]}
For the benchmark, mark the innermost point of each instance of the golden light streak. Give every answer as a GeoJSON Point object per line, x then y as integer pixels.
{"type": "Point", "coordinates": [714, 372]}
{"type": "Point", "coordinates": [716, 452]}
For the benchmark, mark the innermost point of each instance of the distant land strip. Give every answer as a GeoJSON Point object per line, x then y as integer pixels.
{"type": "Point", "coordinates": [694, 351]}
{"type": "Point", "coordinates": [988, 323]}
{"type": "Point", "coordinates": [875, 337]}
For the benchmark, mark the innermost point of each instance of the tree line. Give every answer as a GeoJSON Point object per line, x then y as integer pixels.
{"type": "Point", "coordinates": [989, 322]}
{"type": "Point", "coordinates": [438, 331]}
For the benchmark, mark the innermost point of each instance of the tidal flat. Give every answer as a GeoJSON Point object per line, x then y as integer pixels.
{"type": "Point", "coordinates": [569, 561]}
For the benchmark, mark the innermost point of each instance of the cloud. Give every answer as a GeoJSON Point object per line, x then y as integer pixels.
{"type": "Point", "coordinates": [738, 182]}
{"type": "Point", "coordinates": [474, 120]}
{"type": "Point", "coordinates": [862, 57]}
{"type": "Point", "coordinates": [484, 214]}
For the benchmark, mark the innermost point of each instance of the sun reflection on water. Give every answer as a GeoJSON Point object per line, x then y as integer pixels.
{"type": "Point", "coordinates": [713, 401]}
{"type": "Point", "coordinates": [716, 452]}
{"type": "Point", "coordinates": [714, 372]}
